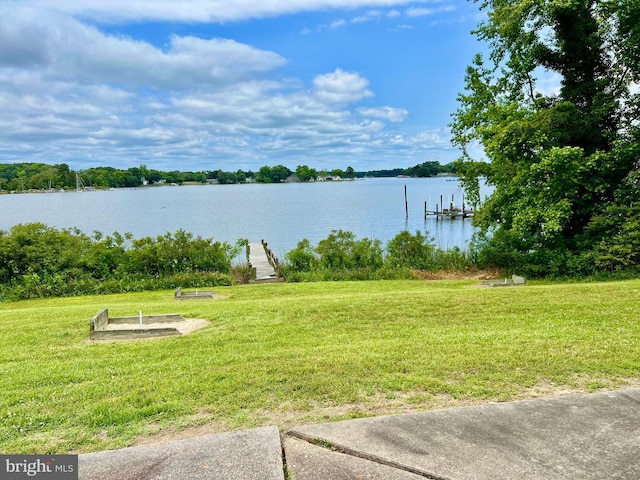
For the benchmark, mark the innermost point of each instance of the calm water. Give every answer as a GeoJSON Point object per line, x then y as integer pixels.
{"type": "Point", "coordinates": [280, 214]}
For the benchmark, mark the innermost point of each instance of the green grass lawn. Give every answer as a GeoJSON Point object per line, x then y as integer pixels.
{"type": "Point", "coordinates": [289, 354]}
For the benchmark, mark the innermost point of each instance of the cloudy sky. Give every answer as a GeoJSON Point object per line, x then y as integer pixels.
{"type": "Point", "coordinates": [208, 84]}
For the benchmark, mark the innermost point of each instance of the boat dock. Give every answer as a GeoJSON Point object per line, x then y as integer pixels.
{"type": "Point", "coordinates": [452, 212]}
{"type": "Point", "coordinates": [263, 262]}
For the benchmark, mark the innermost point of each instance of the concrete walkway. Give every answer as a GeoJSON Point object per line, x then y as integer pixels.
{"type": "Point", "coordinates": [594, 436]}
{"type": "Point", "coordinates": [258, 260]}
{"type": "Point", "coordinates": [247, 455]}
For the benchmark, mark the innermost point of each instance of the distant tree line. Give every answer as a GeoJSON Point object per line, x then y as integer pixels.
{"type": "Point", "coordinates": [279, 174]}
{"type": "Point", "coordinates": [22, 177]}
{"type": "Point", "coordinates": [426, 169]}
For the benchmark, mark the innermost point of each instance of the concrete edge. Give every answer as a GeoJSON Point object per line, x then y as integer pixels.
{"type": "Point", "coordinates": [363, 455]}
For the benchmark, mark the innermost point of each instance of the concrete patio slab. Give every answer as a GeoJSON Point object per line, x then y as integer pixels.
{"type": "Point", "coordinates": [592, 436]}
{"type": "Point", "coordinates": [246, 455]}
{"type": "Point", "coordinates": [587, 437]}
{"type": "Point", "coordinates": [312, 462]}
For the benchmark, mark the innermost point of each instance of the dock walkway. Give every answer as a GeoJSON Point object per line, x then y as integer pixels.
{"type": "Point", "coordinates": [258, 259]}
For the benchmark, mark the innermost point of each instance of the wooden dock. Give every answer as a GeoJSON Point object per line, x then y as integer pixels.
{"type": "Point", "coordinates": [264, 263]}
{"type": "Point", "coordinates": [452, 212]}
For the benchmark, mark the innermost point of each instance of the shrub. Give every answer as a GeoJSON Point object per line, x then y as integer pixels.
{"type": "Point", "coordinates": [341, 250]}
{"type": "Point", "coordinates": [341, 256]}
{"type": "Point", "coordinates": [178, 252]}
{"type": "Point", "coordinates": [41, 261]}
{"type": "Point", "coordinates": [303, 258]}
{"type": "Point", "coordinates": [411, 251]}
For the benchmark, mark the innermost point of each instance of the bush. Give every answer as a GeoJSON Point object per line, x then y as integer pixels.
{"type": "Point", "coordinates": [177, 253]}
{"type": "Point", "coordinates": [303, 258]}
{"type": "Point", "coordinates": [620, 251]}
{"type": "Point", "coordinates": [36, 249]}
{"type": "Point", "coordinates": [341, 256]}
{"type": "Point", "coordinates": [342, 251]}
{"type": "Point", "coordinates": [411, 251]}
{"type": "Point", "coordinates": [41, 261]}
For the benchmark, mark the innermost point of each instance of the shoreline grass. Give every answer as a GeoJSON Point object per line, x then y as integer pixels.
{"type": "Point", "coordinates": [288, 354]}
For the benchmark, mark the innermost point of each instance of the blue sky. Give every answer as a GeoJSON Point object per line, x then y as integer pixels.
{"type": "Point", "coordinates": [208, 84]}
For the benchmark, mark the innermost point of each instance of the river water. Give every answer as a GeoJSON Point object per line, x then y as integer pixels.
{"type": "Point", "coordinates": [280, 214]}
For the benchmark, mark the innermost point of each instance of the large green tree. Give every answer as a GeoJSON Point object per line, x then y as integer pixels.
{"type": "Point", "coordinates": [564, 164]}
{"type": "Point", "coordinates": [305, 174]}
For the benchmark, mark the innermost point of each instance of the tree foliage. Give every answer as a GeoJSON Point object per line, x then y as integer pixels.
{"type": "Point", "coordinates": [560, 161]}
{"type": "Point", "coordinates": [305, 173]}
{"type": "Point", "coordinates": [276, 174]}
{"type": "Point", "coordinates": [24, 177]}
{"type": "Point", "coordinates": [425, 169]}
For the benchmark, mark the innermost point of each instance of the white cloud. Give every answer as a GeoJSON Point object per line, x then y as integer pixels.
{"type": "Point", "coordinates": [65, 49]}
{"type": "Point", "coordinates": [336, 24]}
{"type": "Point", "coordinates": [369, 16]}
{"type": "Point", "coordinates": [420, 12]}
{"type": "Point", "coordinates": [71, 93]}
{"type": "Point", "coordinates": [378, 15]}
{"type": "Point", "coordinates": [425, 12]}
{"type": "Point", "coordinates": [258, 107]}
{"type": "Point", "coordinates": [424, 140]}
{"type": "Point", "coordinates": [548, 82]}
{"type": "Point", "coordinates": [341, 87]}
{"type": "Point", "coordinates": [401, 27]}
{"type": "Point", "coordinates": [119, 11]}
{"type": "Point", "coordinates": [387, 113]}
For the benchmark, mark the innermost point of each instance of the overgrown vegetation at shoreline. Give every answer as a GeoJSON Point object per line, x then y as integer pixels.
{"type": "Point", "coordinates": [289, 354]}
{"type": "Point", "coordinates": [342, 256]}
{"type": "Point", "coordinates": [40, 261]}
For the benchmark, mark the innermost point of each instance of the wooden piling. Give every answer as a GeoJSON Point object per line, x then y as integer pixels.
{"type": "Point", "coordinates": [464, 215]}
{"type": "Point", "coordinates": [406, 204]}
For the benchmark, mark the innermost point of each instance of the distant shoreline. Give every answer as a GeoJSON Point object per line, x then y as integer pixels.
{"type": "Point", "coordinates": [188, 183]}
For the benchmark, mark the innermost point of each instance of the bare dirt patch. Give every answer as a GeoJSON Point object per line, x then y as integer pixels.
{"type": "Point", "coordinates": [472, 274]}
{"type": "Point", "coordinates": [171, 434]}
{"type": "Point", "coordinates": [395, 403]}
{"type": "Point", "coordinates": [185, 326]}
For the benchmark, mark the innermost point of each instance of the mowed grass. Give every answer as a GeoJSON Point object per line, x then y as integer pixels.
{"type": "Point", "coordinates": [289, 354]}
